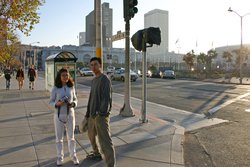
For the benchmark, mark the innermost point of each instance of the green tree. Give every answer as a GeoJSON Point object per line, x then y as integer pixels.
{"type": "Point", "coordinates": [228, 57]}
{"type": "Point", "coordinates": [211, 54]}
{"type": "Point", "coordinates": [201, 59]}
{"type": "Point", "coordinates": [189, 59]}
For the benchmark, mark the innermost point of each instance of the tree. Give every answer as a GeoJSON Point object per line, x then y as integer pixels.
{"type": "Point", "coordinates": [201, 59]}
{"type": "Point", "coordinates": [19, 15]}
{"type": "Point", "coordinates": [228, 57]}
{"type": "Point", "coordinates": [245, 52]}
{"type": "Point", "coordinates": [211, 54]}
{"type": "Point", "coordinates": [189, 59]}
{"type": "Point", "coordinates": [16, 15]}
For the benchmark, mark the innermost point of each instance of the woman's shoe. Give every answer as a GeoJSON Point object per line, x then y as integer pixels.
{"type": "Point", "coordinates": [75, 160]}
{"type": "Point", "coordinates": [59, 161]}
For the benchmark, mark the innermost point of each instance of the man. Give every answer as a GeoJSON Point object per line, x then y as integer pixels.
{"type": "Point", "coordinates": [98, 111]}
{"type": "Point", "coordinates": [31, 76]}
{"type": "Point", "coordinates": [7, 75]}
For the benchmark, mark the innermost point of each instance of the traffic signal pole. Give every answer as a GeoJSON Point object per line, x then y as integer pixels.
{"type": "Point", "coordinates": [144, 82]}
{"type": "Point", "coordinates": [126, 110]}
{"type": "Point", "coordinates": [98, 26]}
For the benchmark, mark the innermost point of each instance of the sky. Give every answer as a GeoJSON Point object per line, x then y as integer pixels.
{"type": "Point", "coordinates": [196, 24]}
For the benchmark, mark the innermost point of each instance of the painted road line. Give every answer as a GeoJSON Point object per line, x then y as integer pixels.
{"type": "Point", "coordinates": [215, 109]}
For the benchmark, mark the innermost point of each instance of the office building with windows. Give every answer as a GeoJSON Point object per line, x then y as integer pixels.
{"type": "Point", "coordinates": [107, 26]}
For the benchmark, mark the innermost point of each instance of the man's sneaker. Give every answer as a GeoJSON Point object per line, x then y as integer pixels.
{"type": "Point", "coordinates": [75, 160]}
{"type": "Point", "coordinates": [95, 156]}
{"type": "Point", "coordinates": [59, 161]}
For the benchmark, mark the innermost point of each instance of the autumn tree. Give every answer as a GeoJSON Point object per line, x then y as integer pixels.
{"type": "Point", "coordinates": [16, 15]}
{"type": "Point", "coordinates": [189, 59]}
{"type": "Point", "coordinates": [19, 15]}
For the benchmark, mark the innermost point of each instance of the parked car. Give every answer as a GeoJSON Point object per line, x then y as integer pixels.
{"type": "Point", "coordinates": [154, 74]}
{"type": "Point", "coordinates": [168, 74]}
{"type": "Point", "coordinates": [110, 69]}
{"type": "Point", "coordinates": [86, 72]}
{"type": "Point", "coordinates": [120, 75]}
{"type": "Point", "coordinates": [139, 73]}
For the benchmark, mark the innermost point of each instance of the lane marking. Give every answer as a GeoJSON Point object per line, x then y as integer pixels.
{"type": "Point", "coordinates": [215, 109]}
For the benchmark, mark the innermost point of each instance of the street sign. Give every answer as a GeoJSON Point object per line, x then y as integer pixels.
{"type": "Point", "coordinates": [120, 35]}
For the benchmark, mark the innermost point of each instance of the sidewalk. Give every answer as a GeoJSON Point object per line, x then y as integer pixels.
{"type": "Point", "coordinates": [27, 132]}
{"type": "Point", "coordinates": [232, 80]}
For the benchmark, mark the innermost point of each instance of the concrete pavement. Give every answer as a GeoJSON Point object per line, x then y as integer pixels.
{"type": "Point", "coordinates": [27, 132]}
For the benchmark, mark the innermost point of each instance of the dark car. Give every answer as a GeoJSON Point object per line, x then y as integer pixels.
{"type": "Point", "coordinates": [168, 74]}
{"type": "Point", "coordinates": [154, 74]}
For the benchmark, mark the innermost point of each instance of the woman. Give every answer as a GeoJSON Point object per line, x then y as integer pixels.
{"type": "Point", "coordinates": [64, 100]}
{"type": "Point", "coordinates": [20, 77]}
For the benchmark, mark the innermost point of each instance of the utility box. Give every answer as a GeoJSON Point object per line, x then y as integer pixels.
{"type": "Point", "coordinates": [56, 62]}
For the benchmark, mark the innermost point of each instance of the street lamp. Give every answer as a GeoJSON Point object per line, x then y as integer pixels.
{"type": "Point", "coordinates": [241, 18]}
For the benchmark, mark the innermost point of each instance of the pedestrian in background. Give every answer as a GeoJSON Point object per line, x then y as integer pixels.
{"type": "Point", "coordinates": [20, 77]}
{"type": "Point", "coordinates": [31, 76]}
{"type": "Point", "coordinates": [98, 114]}
{"type": "Point", "coordinates": [63, 99]}
{"type": "Point", "coordinates": [7, 75]}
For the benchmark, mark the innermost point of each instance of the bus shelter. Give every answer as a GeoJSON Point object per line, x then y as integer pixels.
{"type": "Point", "coordinates": [56, 62]}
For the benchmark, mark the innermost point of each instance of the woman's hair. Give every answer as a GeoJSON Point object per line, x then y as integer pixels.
{"type": "Point", "coordinates": [58, 81]}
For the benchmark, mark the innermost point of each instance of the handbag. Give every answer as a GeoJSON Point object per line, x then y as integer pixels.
{"type": "Point", "coordinates": [84, 125]}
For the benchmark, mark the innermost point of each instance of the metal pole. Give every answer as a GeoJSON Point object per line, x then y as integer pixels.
{"type": "Point", "coordinates": [144, 89]}
{"type": "Point", "coordinates": [135, 60]}
{"type": "Point", "coordinates": [126, 110]}
{"type": "Point", "coordinates": [144, 81]}
{"type": "Point", "coordinates": [98, 24]}
{"type": "Point", "coordinates": [241, 17]}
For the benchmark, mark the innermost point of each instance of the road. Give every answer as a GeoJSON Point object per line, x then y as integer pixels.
{"type": "Point", "coordinates": [192, 96]}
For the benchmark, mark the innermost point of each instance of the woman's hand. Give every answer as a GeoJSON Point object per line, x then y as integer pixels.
{"type": "Point", "coordinates": [59, 103]}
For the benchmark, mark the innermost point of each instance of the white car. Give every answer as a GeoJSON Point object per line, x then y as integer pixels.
{"type": "Point", "coordinates": [120, 75]}
{"type": "Point", "coordinates": [110, 69]}
{"type": "Point", "coordinates": [86, 72]}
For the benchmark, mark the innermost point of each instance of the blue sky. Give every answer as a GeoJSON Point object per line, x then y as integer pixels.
{"type": "Point", "coordinates": [201, 22]}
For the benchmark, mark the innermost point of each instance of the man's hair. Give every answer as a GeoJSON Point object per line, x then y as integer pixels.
{"type": "Point", "coordinates": [96, 59]}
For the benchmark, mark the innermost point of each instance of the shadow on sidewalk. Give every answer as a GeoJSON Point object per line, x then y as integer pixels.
{"type": "Point", "coordinates": [24, 146]}
{"type": "Point", "coordinates": [23, 99]}
{"type": "Point", "coordinates": [24, 117]}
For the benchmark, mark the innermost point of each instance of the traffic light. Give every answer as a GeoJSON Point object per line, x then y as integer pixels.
{"type": "Point", "coordinates": [129, 9]}
{"type": "Point", "coordinates": [151, 35]}
{"type": "Point", "coordinates": [137, 40]}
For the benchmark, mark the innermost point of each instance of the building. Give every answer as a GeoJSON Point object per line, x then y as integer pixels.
{"type": "Point", "coordinates": [82, 38]}
{"type": "Point", "coordinates": [107, 27]}
{"type": "Point", "coordinates": [158, 18]}
{"type": "Point", "coordinates": [29, 55]}
{"type": "Point", "coordinates": [114, 56]}
{"type": "Point", "coordinates": [219, 61]}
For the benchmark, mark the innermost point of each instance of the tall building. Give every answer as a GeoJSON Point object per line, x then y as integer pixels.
{"type": "Point", "coordinates": [158, 18]}
{"type": "Point", "coordinates": [107, 26]}
{"type": "Point", "coordinates": [82, 38]}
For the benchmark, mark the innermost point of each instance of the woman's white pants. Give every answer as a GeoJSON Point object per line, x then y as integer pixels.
{"type": "Point", "coordinates": [59, 130]}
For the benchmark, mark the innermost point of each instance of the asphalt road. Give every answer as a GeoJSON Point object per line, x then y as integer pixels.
{"type": "Point", "coordinates": [223, 145]}
{"type": "Point", "coordinates": [193, 96]}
